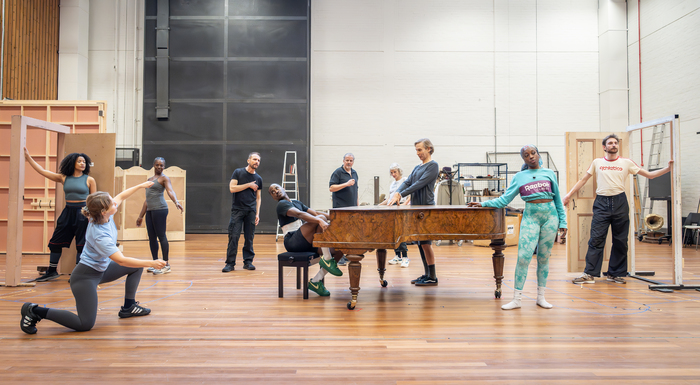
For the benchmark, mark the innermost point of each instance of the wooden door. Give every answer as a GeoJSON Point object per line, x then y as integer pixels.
{"type": "Point", "coordinates": [581, 149]}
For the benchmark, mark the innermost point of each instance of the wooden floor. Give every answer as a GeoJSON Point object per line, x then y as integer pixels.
{"type": "Point", "coordinates": [210, 327]}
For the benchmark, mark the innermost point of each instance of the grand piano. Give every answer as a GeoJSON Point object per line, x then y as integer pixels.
{"type": "Point", "coordinates": [358, 230]}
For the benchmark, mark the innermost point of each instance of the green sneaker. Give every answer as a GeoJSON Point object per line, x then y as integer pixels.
{"type": "Point", "coordinates": [331, 266]}
{"type": "Point", "coordinates": [319, 288]}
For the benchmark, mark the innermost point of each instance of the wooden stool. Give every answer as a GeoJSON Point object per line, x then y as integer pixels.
{"type": "Point", "coordinates": [301, 260]}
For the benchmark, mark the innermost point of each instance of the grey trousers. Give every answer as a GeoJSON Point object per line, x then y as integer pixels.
{"type": "Point", "coordinates": [83, 284]}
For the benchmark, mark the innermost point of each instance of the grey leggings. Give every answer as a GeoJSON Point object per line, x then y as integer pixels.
{"type": "Point", "coordinates": [83, 284]}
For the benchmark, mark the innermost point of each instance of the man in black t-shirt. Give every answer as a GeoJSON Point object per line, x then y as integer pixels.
{"type": "Point", "coordinates": [299, 224]}
{"type": "Point", "coordinates": [245, 186]}
{"type": "Point", "coordinates": [343, 185]}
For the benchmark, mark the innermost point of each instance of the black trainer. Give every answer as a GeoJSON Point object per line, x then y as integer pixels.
{"type": "Point", "coordinates": [48, 276]}
{"type": "Point", "coordinates": [133, 311]}
{"type": "Point", "coordinates": [228, 268]}
{"type": "Point", "coordinates": [248, 266]}
{"type": "Point", "coordinates": [413, 281]}
{"type": "Point", "coordinates": [29, 319]}
{"type": "Point", "coordinates": [427, 281]}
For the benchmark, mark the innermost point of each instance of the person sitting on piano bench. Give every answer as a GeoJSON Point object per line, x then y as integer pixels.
{"type": "Point", "coordinates": [420, 185]}
{"type": "Point", "coordinates": [299, 224]}
{"type": "Point", "coordinates": [543, 215]}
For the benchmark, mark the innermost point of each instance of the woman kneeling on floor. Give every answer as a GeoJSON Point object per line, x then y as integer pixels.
{"type": "Point", "coordinates": [100, 262]}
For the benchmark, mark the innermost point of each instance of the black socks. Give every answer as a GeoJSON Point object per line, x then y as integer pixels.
{"type": "Point", "coordinates": [41, 311]}
{"type": "Point", "coordinates": [128, 302]}
{"type": "Point", "coordinates": [431, 269]}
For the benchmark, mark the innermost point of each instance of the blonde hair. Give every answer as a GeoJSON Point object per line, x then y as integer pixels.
{"type": "Point", "coordinates": [427, 144]}
{"type": "Point", "coordinates": [95, 205]}
{"type": "Point", "coordinates": [395, 166]}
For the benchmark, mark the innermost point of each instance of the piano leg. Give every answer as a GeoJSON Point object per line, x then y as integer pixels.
{"type": "Point", "coordinates": [381, 266]}
{"type": "Point", "coordinates": [355, 269]}
{"type": "Point", "coordinates": [498, 245]}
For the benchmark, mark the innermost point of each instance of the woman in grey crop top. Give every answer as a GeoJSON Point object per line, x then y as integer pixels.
{"type": "Point", "coordinates": [156, 212]}
{"type": "Point", "coordinates": [77, 184]}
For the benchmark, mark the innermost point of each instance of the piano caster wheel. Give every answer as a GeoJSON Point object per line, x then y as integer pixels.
{"type": "Point", "coordinates": [384, 283]}
{"type": "Point", "coordinates": [460, 242]}
{"type": "Point", "coordinates": [351, 306]}
{"type": "Point", "coordinates": [497, 294]}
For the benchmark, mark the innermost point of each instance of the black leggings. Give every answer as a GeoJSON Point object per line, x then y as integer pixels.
{"type": "Point", "coordinates": [83, 284]}
{"type": "Point", "coordinates": [155, 225]}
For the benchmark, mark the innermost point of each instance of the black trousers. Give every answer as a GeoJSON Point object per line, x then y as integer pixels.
{"type": "Point", "coordinates": [241, 220]}
{"type": "Point", "coordinates": [613, 212]}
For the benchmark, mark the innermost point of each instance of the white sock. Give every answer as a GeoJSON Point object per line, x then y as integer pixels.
{"type": "Point", "coordinates": [540, 298]}
{"type": "Point", "coordinates": [326, 253]}
{"type": "Point", "coordinates": [516, 303]}
{"type": "Point", "coordinates": [319, 276]}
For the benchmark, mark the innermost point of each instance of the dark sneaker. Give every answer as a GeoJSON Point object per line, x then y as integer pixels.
{"type": "Point", "coordinates": [248, 266]}
{"type": "Point", "coordinates": [48, 276]}
{"type": "Point", "coordinates": [584, 278]}
{"type": "Point", "coordinates": [228, 268]}
{"type": "Point", "coordinates": [331, 266]}
{"type": "Point", "coordinates": [29, 319]}
{"type": "Point", "coordinates": [133, 311]}
{"type": "Point", "coordinates": [343, 261]}
{"type": "Point", "coordinates": [616, 279]}
{"type": "Point", "coordinates": [413, 281]}
{"type": "Point", "coordinates": [427, 281]}
{"type": "Point", "coordinates": [319, 288]}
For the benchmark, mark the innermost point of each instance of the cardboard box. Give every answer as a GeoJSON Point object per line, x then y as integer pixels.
{"type": "Point", "coordinates": [512, 232]}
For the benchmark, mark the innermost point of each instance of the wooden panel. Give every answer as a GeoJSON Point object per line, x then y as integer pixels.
{"type": "Point", "coordinates": [101, 150]}
{"type": "Point", "coordinates": [129, 211]}
{"type": "Point", "coordinates": [42, 145]}
{"type": "Point", "coordinates": [31, 50]}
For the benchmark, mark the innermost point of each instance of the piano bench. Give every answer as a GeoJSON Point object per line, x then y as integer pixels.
{"type": "Point", "coordinates": [301, 260]}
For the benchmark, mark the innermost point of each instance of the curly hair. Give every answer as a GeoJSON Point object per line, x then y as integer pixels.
{"type": "Point", "coordinates": [95, 204]}
{"type": "Point", "coordinates": [67, 166]}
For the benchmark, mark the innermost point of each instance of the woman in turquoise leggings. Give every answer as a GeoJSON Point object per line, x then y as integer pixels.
{"type": "Point", "coordinates": [543, 215]}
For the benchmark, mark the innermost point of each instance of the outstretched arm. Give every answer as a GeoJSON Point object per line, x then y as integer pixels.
{"type": "Point", "coordinates": [171, 193]}
{"type": "Point", "coordinates": [58, 178]}
{"type": "Point", "coordinates": [654, 174]}
{"type": "Point", "coordinates": [128, 192]}
{"type": "Point", "coordinates": [122, 260]}
{"type": "Point", "coordinates": [575, 189]}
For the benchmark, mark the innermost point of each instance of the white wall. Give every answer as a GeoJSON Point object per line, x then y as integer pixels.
{"type": "Point", "coordinates": [670, 45]}
{"type": "Point", "coordinates": [386, 73]}
{"type": "Point", "coordinates": [115, 65]}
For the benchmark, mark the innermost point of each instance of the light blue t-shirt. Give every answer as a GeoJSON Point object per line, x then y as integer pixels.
{"type": "Point", "coordinates": [100, 243]}
{"type": "Point", "coordinates": [540, 183]}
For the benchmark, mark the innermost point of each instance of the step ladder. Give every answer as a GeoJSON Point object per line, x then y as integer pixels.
{"type": "Point", "coordinates": [657, 139]}
{"type": "Point", "coordinates": [289, 182]}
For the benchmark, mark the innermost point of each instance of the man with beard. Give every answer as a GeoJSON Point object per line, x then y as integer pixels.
{"type": "Point", "coordinates": [245, 186]}
{"type": "Point", "coordinates": [610, 209]}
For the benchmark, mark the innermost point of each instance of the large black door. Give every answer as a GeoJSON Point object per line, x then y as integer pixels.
{"type": "Point", "coordinates": [238, 82]}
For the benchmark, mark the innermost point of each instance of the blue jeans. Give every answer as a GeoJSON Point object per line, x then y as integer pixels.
{"type": "Point", "coordinates": [241, 220]}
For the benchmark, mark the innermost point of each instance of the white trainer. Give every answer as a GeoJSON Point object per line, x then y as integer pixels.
{"type": "Point", "coordinates": [164, 270]}
{"type": "Point", "coordinates": [395, 261]}
{"type": "Point", "coordinates": [405, 262]}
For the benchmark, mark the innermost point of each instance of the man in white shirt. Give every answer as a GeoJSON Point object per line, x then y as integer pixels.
{"type": "Point", "coordinates": [610, 209]}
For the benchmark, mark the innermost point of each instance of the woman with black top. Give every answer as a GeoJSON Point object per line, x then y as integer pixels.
{"type": "Point", "coordinates": [156, 212]}
{"type": "Point", "coordinates": [73, 175]}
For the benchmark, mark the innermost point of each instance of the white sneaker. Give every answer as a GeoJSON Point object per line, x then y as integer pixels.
{"type": "Point", "coordinates": [395, 261]}
{"type": "Point", "coordinates": [164, 270]}
{"type": "Point", "coordinates": [405, 262]}
{"type": "Point", "coordinates": [151, 269]}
